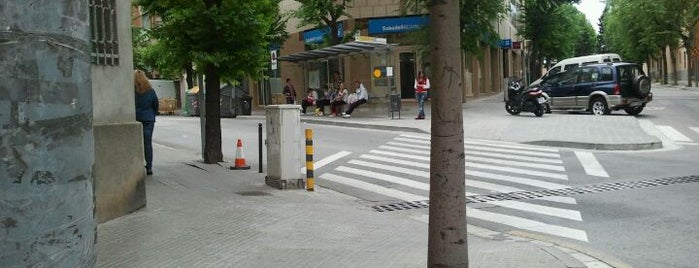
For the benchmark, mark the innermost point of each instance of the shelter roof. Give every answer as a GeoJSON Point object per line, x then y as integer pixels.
{"type": "Point", "coordinates": [362, 44]}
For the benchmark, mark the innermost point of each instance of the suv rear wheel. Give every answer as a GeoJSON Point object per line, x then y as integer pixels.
{"type": "Point", "coordinates": [634, 110]}
{"type": "Point", "coordinates": [598, 106]}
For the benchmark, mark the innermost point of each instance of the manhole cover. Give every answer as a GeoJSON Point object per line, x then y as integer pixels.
{"type": "Point", "coordinates": [253, 193]}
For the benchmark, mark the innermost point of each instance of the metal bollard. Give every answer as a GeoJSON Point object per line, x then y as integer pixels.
{"type": "Point", "coordinates": [259, 138]}
{"type": "Point", "coordinates": [309, 159]}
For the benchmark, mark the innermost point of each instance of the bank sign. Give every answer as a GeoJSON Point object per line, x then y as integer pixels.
{"type": "Point", "coordinates": [397, 25]}
{"type": "Point", "coordinates": [317, 35]}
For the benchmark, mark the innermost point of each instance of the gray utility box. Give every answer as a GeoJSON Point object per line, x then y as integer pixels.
{"type": "Point", "coordinates": [284, 143]}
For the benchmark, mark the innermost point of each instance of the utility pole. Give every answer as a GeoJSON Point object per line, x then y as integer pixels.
{"type": "Point", "coordinates": [46, 139]}
{"type": "Point", "coordinates": [447, 245]}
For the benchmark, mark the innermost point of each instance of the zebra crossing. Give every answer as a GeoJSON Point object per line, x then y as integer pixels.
{"type": "Point", "coordinates": [687, 135]}
{"type": "Point", "coordinates": [399, 170]}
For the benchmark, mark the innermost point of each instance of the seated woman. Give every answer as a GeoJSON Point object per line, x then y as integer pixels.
{"type": "Point", "coordinates": [310, 100]}
{"type": "Point", "coordinates": [339, 100]}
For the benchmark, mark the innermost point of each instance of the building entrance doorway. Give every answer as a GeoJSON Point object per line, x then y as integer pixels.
{"type": "Point", "coordinates": [407, 75]}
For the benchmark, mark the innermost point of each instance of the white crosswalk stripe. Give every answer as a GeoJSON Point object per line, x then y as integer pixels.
{"type": "Point", "coordinates": [399, 169]}
{"type": "Point", "coordinates": [695, 129]}
{"type": "Point", "coordinates": [673, 134]}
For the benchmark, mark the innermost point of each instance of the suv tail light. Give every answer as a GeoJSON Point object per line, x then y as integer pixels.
{"type": "Point", "coordinates": [617, 89]}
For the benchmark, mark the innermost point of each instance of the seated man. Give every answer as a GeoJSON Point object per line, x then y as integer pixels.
{"type": "Point", "coordinates": [362, 97]}
{"type": "Point", "coordinates": [310, 100]}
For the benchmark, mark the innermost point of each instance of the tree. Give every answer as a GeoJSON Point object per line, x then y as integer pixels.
{"type": "Point", "coordinates": [222, 38]}
{"type": "Point", "coordinates": [547, 24]}
{"type": "Point", "coordinates": [323, 13]}
{"type": "Point", "coordinates": [586, 39]}
{"type": "Point", "coordinates": [447, 236]}
{"type": "Point", "coordinates": [659, 25]}
{"type": "Point", "coordinates": [476, 23]}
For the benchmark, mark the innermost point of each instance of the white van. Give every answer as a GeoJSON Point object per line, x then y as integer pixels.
{"type": "Point", "coordinates": [567, 64]}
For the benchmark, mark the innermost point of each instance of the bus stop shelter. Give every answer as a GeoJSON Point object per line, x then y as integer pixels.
{"type": "Point", "coordinates": [382, 83]}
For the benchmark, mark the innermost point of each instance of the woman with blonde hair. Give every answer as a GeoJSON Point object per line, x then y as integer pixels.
{"type": "Point", "coordinates": [146, 109]}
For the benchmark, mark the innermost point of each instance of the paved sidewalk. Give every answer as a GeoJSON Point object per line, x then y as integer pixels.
{"type": "Point", "coordinates": [208, 216]}
{"type": "Point", "coordinates": [202, 215]}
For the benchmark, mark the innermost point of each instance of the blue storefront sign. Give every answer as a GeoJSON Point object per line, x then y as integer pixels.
{"type": "Point", "coordinates": [316, 35]}
{"type": "Point", "coordinates": [506, 43]}
{"type": "Point", "coordinates": [397, 25]}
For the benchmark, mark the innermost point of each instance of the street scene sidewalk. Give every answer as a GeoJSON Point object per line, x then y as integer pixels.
{"type": "Point", "coordinates": [486, 118]}
{"type": "Point", "coordinates": [201, 215]}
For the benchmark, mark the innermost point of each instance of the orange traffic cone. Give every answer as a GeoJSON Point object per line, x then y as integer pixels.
{"type": "Point", "coordinates": [240, 157]}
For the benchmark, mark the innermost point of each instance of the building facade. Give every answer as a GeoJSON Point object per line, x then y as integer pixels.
{"type": "Point", "coordinates": [119, 163]}
{"type": "Point", "coordinates": [484, 75]}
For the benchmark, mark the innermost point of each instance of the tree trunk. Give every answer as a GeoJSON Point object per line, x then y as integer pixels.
{"type": "Point", "coordinates": [663, 61]}
{"type": "Point", "coordinates": [673, 65]}
{"type": "Point", "coordinates": [447, 245]}
{"type": "Point", "coordinates": [212, 150]}
{"type": "Point", "coordinates": [47, 142]}
{"type": "Point", "coordinates": [190, 75]}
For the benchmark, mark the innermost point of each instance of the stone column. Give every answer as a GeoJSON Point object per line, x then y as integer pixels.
{"type": "Point", "coordinates": [46, 138]}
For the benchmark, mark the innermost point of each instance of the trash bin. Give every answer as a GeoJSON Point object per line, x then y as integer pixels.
{"type": "Point", "coordinates": [228, 107]}
{"type": "Point", "coordinates": [243, 105]}
{"type": "Point", "coordinates": [394, 104]}
{"type": "Point", "coordinates": [192, 104]}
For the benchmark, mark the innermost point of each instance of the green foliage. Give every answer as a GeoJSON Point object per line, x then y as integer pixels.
{"type": "Point", "coordinates": [231, 35]}
{"type": "Point", "coordinates": [140, 39]}
{"type": "Point", "coordinates": [477, 25]}
{"type": "Point", "coordinates": [321, 14]}
{"type": "Point", "coordinates": [656, 24]}
{"type": "Point", "coordinates": [556, 28]}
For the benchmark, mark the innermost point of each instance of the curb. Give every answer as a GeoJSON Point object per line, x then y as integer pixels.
{"type": "Point", "coordinates": [599, 146]}
{"type": "Point", "coordinates": [590, 257]}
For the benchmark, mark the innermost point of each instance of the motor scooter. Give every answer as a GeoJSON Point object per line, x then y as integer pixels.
{"type": "Point", "coordinates": [520, 99]}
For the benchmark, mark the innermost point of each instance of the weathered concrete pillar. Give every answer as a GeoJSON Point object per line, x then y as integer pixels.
{"type": "Point", "coordinates": [46, 138]}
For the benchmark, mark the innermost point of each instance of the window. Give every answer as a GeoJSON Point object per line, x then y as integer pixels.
{"type": "Point", "coordinates": [607, 74]}
{"type": "Point", "coordinates": [570, 66]}
{"type": "Point", "coordinates": [554, 70]}
{"type": "Point", "coordinates": [587, 75]}
{"type": "Point", "coordinates": [103, 30]}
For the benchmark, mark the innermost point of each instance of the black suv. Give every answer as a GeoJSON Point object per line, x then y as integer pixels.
{"type": "Point", "coordinates": [600, 88]}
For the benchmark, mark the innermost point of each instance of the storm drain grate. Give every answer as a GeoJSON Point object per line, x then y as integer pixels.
{"type": "Point", "coordinates": [401, 206]}
{"type": "Point", "coordinates": [586, 189]}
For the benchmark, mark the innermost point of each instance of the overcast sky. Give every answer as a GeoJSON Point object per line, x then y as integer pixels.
{"type": "Point", "coordinates": [593, 10]}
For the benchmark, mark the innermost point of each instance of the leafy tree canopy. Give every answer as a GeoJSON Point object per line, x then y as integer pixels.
{"type": "Point", "coordinates": [323, 13]}
{"type": "Point", "coordinates": [476, 22]}
{"type": "Point", "coordinates": [231, 35]}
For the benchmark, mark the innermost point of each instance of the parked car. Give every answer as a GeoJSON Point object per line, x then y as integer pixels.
{"type": "Point", "coordinates": [567, 64]}
{"type": "Point", "coordinates": [600, 88]}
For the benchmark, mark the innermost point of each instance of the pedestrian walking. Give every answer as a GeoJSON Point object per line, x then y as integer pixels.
{"type": "Point", "coordinates": [289, 92]}
{"type": "Point", "coordinates": [146, 110]}
{"type": "Point", "coordinates": [422, 86]}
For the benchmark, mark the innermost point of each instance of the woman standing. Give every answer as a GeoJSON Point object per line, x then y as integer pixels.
{"type": "Point", "coordinates": [422, 85]}
{"type": "Point", "coordinates": [146, 109]}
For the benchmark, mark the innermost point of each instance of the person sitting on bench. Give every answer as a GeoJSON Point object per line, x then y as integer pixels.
{"type": "Point", "coordinates": [362, 97]}
{"type": "Point", "coordinates": [310, 100]}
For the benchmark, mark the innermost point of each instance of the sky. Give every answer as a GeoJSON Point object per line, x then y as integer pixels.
{"type": "Point", "coordinates": [593, 10]}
